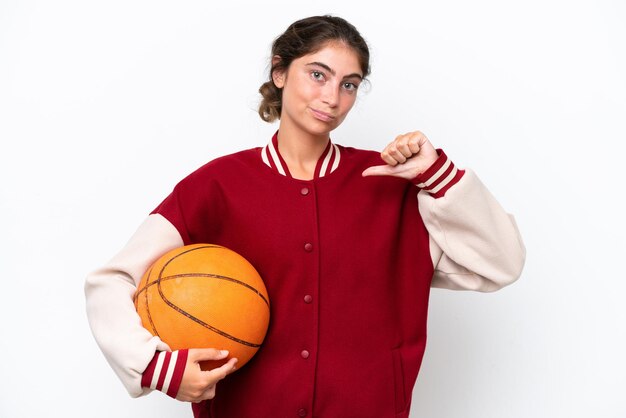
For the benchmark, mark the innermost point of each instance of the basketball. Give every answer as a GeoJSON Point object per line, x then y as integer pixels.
{"type": "Point", "coordinates": [205, 296]}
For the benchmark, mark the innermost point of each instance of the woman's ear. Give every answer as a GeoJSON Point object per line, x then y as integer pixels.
{"type": "Point", "coordinates": [278, 75]}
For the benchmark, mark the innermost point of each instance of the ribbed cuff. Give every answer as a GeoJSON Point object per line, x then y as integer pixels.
{"type": "Point", "coordinates": [439, 177]}
{"type": "Point", "coordinates": [165, 371]}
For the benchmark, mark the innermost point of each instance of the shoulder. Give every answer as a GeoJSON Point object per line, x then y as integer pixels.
{"type": "Point", "coordinates": [226, 166]}
{"type": "Point", "coordinates": [236, 160]}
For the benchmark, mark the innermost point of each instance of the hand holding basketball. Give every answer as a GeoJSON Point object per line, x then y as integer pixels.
{"type": "Point", "coordinates": [198, 385]}
{"type": "Point", "coordinates": [406, 157]}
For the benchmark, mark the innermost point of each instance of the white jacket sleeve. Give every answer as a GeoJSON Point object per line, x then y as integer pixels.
{"type": "Point", "coordinates": [474, 243]}
{"type": "Point", "coordinates": [114, 322]}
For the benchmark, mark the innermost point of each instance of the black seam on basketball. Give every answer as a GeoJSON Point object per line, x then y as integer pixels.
{"type": "Point", "coordinates": [212, 276]}
{"type": "Point", "coordinates": [150, 318]}
{"type": "Point", "coordinates": [147, 276]}
{"type": "Point", "coordinates": [201, 322]}
{"type": "Point", "coordinates": [136, 301]}
{"type": "Point", "coordinates": [187, 314]}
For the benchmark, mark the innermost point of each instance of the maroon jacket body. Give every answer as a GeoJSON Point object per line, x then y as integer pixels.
{"type": "Point", "coordinates": [347, 266]}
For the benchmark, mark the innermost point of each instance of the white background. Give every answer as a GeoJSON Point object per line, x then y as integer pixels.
{"type": "Point", "coordinates": [104, 106]}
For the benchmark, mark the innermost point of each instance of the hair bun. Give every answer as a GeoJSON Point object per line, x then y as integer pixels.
{"type": "Point", "coordinates": [271, 104]}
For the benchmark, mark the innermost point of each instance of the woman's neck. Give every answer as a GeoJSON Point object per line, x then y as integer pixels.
{"type": "Point", "coordinates": [301, 151]}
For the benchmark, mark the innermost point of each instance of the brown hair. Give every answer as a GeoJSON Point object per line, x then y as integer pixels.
{"type": "Point", "coordinates": [304, 37]}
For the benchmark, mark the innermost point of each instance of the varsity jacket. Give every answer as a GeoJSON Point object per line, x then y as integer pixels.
{"type": "Point", "coordinates": [348, 262]}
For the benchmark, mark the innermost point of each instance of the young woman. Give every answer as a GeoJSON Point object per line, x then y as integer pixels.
{"type": "Point", "coordinates": [348, 245]}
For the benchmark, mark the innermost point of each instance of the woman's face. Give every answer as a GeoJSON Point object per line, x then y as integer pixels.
{"type": "Point", "coordinates": [319, 89]}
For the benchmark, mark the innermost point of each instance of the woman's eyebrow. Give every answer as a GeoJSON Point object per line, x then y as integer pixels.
{"type": "Point", "coordinates": [330, 70]}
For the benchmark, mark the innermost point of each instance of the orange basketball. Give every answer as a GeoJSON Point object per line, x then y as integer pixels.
{"type": "Point", "coordinates": [205, 295]}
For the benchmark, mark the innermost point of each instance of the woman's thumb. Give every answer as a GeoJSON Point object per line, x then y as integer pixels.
{"type": "Point", "coordinates": [378, 170]}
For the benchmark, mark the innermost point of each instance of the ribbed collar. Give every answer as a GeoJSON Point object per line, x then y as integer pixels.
{"type": "Point", "coordinates": [327, 163]}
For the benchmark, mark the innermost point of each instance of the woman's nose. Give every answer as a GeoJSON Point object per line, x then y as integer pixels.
{"type": "Point", "coordinates": [330, 94]}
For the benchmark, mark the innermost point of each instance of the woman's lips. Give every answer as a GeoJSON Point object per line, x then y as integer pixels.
{"type": "Point", "coordinates": [325, 117]}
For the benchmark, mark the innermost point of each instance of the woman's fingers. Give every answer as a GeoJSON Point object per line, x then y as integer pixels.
{"type": "Point", "coordinates": [202, 354]}
{"type": "Point", "coordinates": [198, 385]}
{"type": "Point", "coordinates": [407, 156]}
{"type": "Point", "coordinates": [215, 376]}
{"type": "Point", "coordinates": [402, 148]}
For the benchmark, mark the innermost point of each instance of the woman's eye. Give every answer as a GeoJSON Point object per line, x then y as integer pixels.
{"type": "Point", "coordinates": [350, 86]}
{"type": "Point", "coordinates": [317, 75]}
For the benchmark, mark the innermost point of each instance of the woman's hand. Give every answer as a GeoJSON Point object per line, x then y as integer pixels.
{"type": "Point", "coordinates": [407, 156]}
{"type": "Point", "coordinates": [198, 385]}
